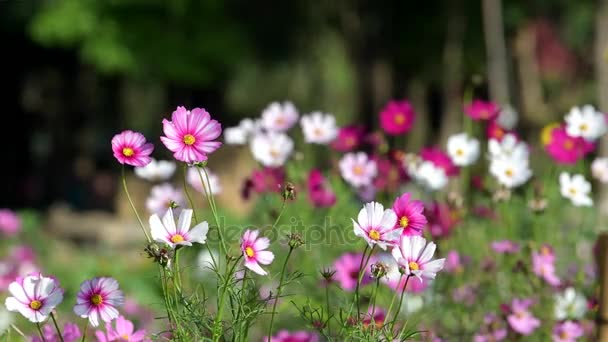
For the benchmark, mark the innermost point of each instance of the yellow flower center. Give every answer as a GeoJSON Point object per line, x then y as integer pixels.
{"type": "Point", "coordinates": [399, 119]}
{"type": "Point", "coordinates": [572, 191]}
{"type": "Point", "coordinates": [484, 114]}
{"type": "Point", "coordinates": [127, 152]}
{"type": "Point", "coordinates": [249, 252]}
{"type": "Point", "coordinates": [583, 127]}
{"type": "Point", "coordinates": [459, 152]}
{"type": "Point", "coordinates": [274, 153]}
{"type": "Point", "coordinates": [350, 141]}
{"type": "Point", "coordinates": [413, 266]}
{"type": "Point", "coordinates": [96, 299]}
{"type": "Point", "coordinates": [374, 235]}
{"type": "Point", "coordinates": [189, 139]}
{"type": "Point", "coordinates": [125, 337]}
{"type": "Point", "coordinates": [498, 132]}
{"type": "Point", "coordinates": [568, 144]}
{"type": "Point", "coordinates": [404, 221]}
{"type": "Point", "coordinates": [318, 132]}
{"type": "Point", "coordinates": [35, 304]}
{"type": "Point", "coordinates": [509, 173]}
{"type": "Point", "coordinates": [545, 135]}
{"type": "Point", "coordinates": [177, 238]}
{"type": "Point", "coordinates": [358, 170]}
{"type": "Point", "coordinates": [280, 121]}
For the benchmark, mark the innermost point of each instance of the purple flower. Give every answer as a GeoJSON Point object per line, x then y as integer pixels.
{"type": "Point", "coordinates": [521, 320]}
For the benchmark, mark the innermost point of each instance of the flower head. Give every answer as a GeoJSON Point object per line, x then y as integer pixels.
{"type": "Point", "coordinates": [279, 117]}
{"type": "Point", "coordinates": [357, 169]}
{"type": "Point", "coordinates": [454, 262]}
{"type": "Point", "coordinates": [482, 110]}
{"type": "Point", "coordinates": [576, 188]}
{"type": "Point", "coordinates": [376, 225]}
{"type": "Point", "coordinates": [570, 304]}
{"type": "Point", "coordinates": [463, 150]}
{"type": "Point", "coordinates": [599, 169]}
{"type": "Point", "coordinates": [194, 176]}
{"type": "Point", "coordinates": [320, 193]}
{"type": "Point", "coordinates": [567, 331]}
{"type": "Point", "coordinates": [241, 134]}
{"type": "Point", "coordinates": [254, 251]}
{"type": "Point", "coordinates": [510, 171]}
{"type": "Point", "coordinates": [410, 215]}
{"type": "Point", "coordinates": [271, 149]}
{"type": "Point", "coordinates": [505, 247]}
{"type": "Point", "coordinates": [10, 223]}
{"type": "Point", "coordinates": [543, 265]}
{"type": "Point", "coordinates": [319, 128]}
{"type": "Point", "coordinates": [262, 181]}
{"type": "Point", "coordinates": [521, 319]}
{"type": "Point", "coordinates": [497, 132]}
{"type": "Point", "coordinates": [428, 175]}
{"type": "Point", "coordinates": [397, 117]}
{"type": "Point", "coordinates": [156, 170]}
{"type": "Point", "coordinates": [163, 197]}
{"type": "Point", "coordinates": [98, 298]}
{"type": "Point", "coordinates": [177, 235]}
{"type": "Point", "coordinates": [70, 333]}
{"type": "Point", "coordinates": [297, 336]}
{"type": "Point", "coordinates": [131, 148]}
{"type": "Point", "coordinates": [34, 296]}
{"type": "Point", "coordinates": [507, 118]}
{"type": "Point", "coordinates": [585, 122]}
{"type": "Point", "coordinates": [190, 135]}
{"type": "Point", "coordinates": [566, 149]}
{"type": "Point", "coordinates": [440, 159]}
{"type": "Point", "coordinates": [493, 330]}
{"type": "Point", "coordinates": [124, 331]}
{"type": "Point", "coordinates": [349, 138]}
{"type": "Point", "coordinates": [414, 255]}
{"type": "Point", "coordinates": [508, 147]}
{"type": "Point", "coordinates": [347, 271]}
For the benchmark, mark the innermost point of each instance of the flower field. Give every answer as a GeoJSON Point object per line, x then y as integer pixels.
{"type": "Point", "coordinates": [352, 236]}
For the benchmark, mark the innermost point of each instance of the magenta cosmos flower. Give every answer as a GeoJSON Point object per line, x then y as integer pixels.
{"type": "Point", "coordinates": [132, 149]}
{"type": "Point", "coordinates": [565, 149]}
{"type": "Point", "coordinates": [190, 134]}
{"type": "Point", "coordinates": [410, 215]}
{"type": "Point", "coordinates": [320, 193]}
{"type": "Point", "coordinates": [125, 331]}
{"type": "Point", "coordinates": [415, 256]}
{"type": "Point", "coordinates": [10, 223]}
{"type": "Point", "coordinates": [397, 117]}
{"type": "Point", "coordinates": [567, 331]}
{"type": "Point", "coordinates": [349, 138]}
{"type": "Point", "coordinates": [440, 159]}
{"type": "Point", "coordinates": [34, 296]}
{"type": "Point", "coordinates": [98, 298]}
{"type": "Point", "coordinates": [297, 336]}
{"type": "Point", "coordinates": [347, 271]}
{"type": "Point", "coordinates": [166, 231]}
{"type": "Point", "coordinates": [376, 225]}
{"type": "Point", "coordinates": [254, 252]}
{"type": "Point", "coordinates": [521, 319]}
{"type": "Point", "coordinates": [482, 110]}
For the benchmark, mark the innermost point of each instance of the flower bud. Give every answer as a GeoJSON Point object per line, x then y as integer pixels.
{"type": "Point", "coordinates": [379, 270]}
{"type": "Point", "coordinates": [295, 240]}
{"type": "Point", "coordinates": [289, 191]}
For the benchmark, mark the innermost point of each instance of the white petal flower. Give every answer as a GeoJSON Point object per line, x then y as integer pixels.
{"type": "Point", "coordinates": [415, 256]}
{"type": "Point", "coordinates": [271, 149]}
{"type": "Point", "coordinates": [319, 128]}
{"type": "Point", "coordinates": [507, 118]}
{"type": "Point", "coordinates": [429, 176]}
{"type": "Point", "coordinates": [508, 147]}
{"type": "Point", "coordinates": [576, 188]}
{"type": "Point", "coordinates": [156, 170]}
{"type": "Point", "coordinates": [463, 150]}
{"type": "Point", "coordinates": [194, 176]}
{"type": "Point", "coordinates": [279, 118]}
{"type": "Point", "coordinates": [569, 304]}
{"type": "Point", "coordinates": [168, 232]}
{"type": "Point", "coordinates": [376, 225]}
{"type": "Point", "coordinates": [161, 197]}
{"type": "Point", "coordinates": [585, 122]}
{"type": "Point", "coordinates": [241, 134]}
{"type": "Point", "coordinates": [599, 169]}
{"type": "Point", "coordinates": [357, 169]}
{"type": "Point", "coordinates": [510, 171]}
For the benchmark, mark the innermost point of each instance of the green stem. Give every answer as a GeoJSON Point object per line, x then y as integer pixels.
{"type": "Point", "coordinates": [220, 308]}
{"type": "Point", "coordinates": [400, 303]}
{"type": "Point", "coordinates": [362, 268]}
{"type": "Point", "coordinates": [40, 332]}
{"type": "Point", "coordinates": [141, 224]}
{"type": "Point", "coordinates": [374, 295]}
{"type": "Point", "coordinates": [177, 280]}
{"type": "Point", "coordinates": [188, 193]}
{"type": "Point", "coordinates": [274, 306]}
{"type": "Point", "coordinates": [328, 312]}
{"type": "Point", "coordinates": [279, 217]}
{"type": "Point", "coordinates": [84, 330]}
{"type": "Point", "coordinates": [390, 307]}
{"type": "Point", "coordinates": [164, 288]}
{"type": "Point", "coordinates": [57, 327]}
{"type": "Point", "coordinates": [211, 201]}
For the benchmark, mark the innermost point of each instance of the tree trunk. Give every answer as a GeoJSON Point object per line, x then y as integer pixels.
{"type": "Point", "coordinates": [496, 51]}
{"type": "Point", "coordinates": [601, 63]}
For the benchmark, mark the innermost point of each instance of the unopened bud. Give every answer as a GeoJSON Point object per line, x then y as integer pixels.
{"type": "Point", "coordinates": [328, 274]}
{"type": "Point", "coordinates": [289, 191]}
{"type": "Point", "coordinates": [173, 204]}
{"type": "Point", "coordinates": [379, 270]}
{"type": "Point", "coordinates": [295, 240]}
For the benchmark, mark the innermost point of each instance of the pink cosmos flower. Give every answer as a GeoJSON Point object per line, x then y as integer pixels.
{"type": "Point", "coordinates": [505, 247]}
{"type": "Point", "coordinates": [440, 159]}
{"type": "Point", "coordinates": [349, 138]}
{"type": "Point", "coordinates": [19, 263]}
{"type": "Point", "coordinates": [297, 336]}
{"type": "Point", "coordinates": [376, 225]}
{"type": "Point", "coordinates": [263, 181]}
{"type": "Point", "coordinates": [415, 256]}
{"type": "Point", "coordinates": [131, 148]}
{"type": "Point", "coordinates": [453, 262]}
{"type": "Point", "coordinates": [10, 223]}
{"type": "Point", "coordinates": [166, 231]}
{"type": "Point", "coordinates": [567, 331]}
{"type": "Point", "coordinates": [162, 197]}
{"type": "Point", "coordinates": [320, 193]}
{"type": "Point", "coordinates": [521, 320]}
{"type": "Point", "coordinates": [358, 169]}
{"type": "Point", "coordinates": [410, 215]}
{"type": "Point", "coordinates": [374, 319]}
{"type": "Point", "coordinates": [482, 110]}
{"type": "Point", "coordinates": [125, 331]}
{"type": "Point", "coordinates": [34, 296]}
{"type": "Point", "coordinates": [98, 298]}
{"type": "Point", "coordinates": [397, 117]}
{"type": "Point", "coordinates": [347, 271]}
{"type": "Point", "coordinates": [279, 117]}
{"type": "Point", "coordinates": [466, 294]}
{"type": "Point", "coordinates": [442, 219]}
{"type": "Point", "coordinates": [565, 149]}
{"type": "Point", "coordinates": [492, 331]}
{"type": "Point", "coordinates": [496, 132]}
{"type": "Point", "coordinates": [391, 174]}
{"type": "Point", "coordinates": [253, 248]}
{"type": "Point", "coordinates": [543, 265]}
{"type": "Point", "coordinates": [70, 333]}
{"type": "Point", "coordinates": [190, 134]}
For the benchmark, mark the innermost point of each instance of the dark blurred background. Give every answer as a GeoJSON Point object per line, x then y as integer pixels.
{"type": "Point", "coordinates": [75, 72]}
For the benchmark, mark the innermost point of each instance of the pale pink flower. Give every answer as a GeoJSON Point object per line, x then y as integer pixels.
{"type": "Point", "coordinates": [125, 331]}
{"type": "Point", "coordinates": [131, 148]}
{"type": "Point", "coordinates": [567, 331]}
{"type": "Point", "coordinates": [34, 297]}
{"type": "Point", "coordinates": [376, 225]}
{"type": "Point", "coordinates": [414, 255]}
{"type": "Point", "coordinates": [453, 262]}
{"type": "Point", "coordinates": [190, 134]}
{"type": "Point", "coordinates": [10, 223]}
{"type": "Point", "coordinates": [521, 319]}
{"type": "Point", "coordinates": [98, 298]}
{"type": "Point", "coordinates": [358, 169]}
{"type": "Point", "coordinates": [178, 235]}
{"type": "Point", "coordinates": [505, 247]}
{"type": "Point", "coordinates": [297, 336]}
{"type": "Point", "coordinates": [194, 177]}
{"type": "Point", "coordinates": [70, 333]}
{"type": "Point", "coordinates": [279, 117]}
{"type": "Point", "coordinates": [543, 265]}
{"type": "Point", "coordinates": [253, 248]}
{"type": "Point", "coordinates": [347, 268]}
{"type": "Point", "coordinates": [162, 197]}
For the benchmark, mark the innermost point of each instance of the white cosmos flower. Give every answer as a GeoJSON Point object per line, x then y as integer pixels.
{"type": "Point", "coordinates": [576, 188]}
{"type": "Point", "coordinates": [357, 169]}
{"type": "Point", "coordinates": [569, 304]}
{"type": "Point", "coordinates": [415, 256]}
{"type": "Point", "coordinates": [599, 169]}
{"type": "Point", "coordinates": [161, 197]}
{"type": "Point", "coordinates": [463, 150]}
{"type": "Point", "coordinates": [585, 122]}
{"type": "Point", "coordinates": [429, 175]}
{"type": "Point", "coordinates": [510, 171]}
{"type": "Point", "coordinates": [177, 235]}
{"type": "Point", "coordinates": [279, 117]}
{"type": "Point", "coordinates": [6, 319]}
{"type": "Point", "coordinates": [194, 179]}
{"type": "Point", "coordinates": [271, 149]}
{"type": "Point", "coordinates": [507, 118]}
{"type": "Point", "coordinates": [376, 225]}
{"type": "Point", "coordinates": [508, 147]}
{"type": "Point", "coordinates": [156, 170]}
{"type": "Point", "coordinates": [319, 128]}
{"type": "Point", "coordinates": [241, 134]}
